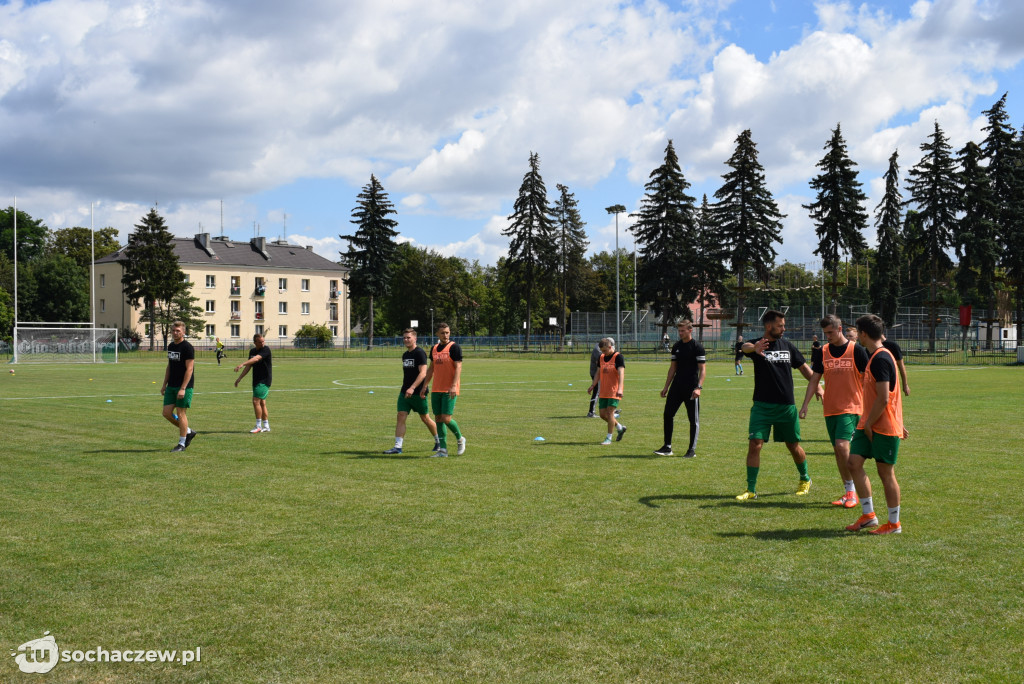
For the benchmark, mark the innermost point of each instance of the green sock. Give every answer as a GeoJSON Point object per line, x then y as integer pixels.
{"type": "Point", "coordinates": [455, 428]}
{"type": "Point", "coordinates": [752, 478]}
{"type": "Point", "coordinates": [802, 467]}
{"type": "Point", "coordinates": [442, 434]}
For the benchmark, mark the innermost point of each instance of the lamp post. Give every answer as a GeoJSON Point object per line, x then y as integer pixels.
{"type": "Point", "coordinates": [617, 209]}
{"type": "Point", "coordinates": [431, 322]}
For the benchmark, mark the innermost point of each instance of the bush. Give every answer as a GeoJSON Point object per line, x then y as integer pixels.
{"type": "Point", "coordinates": [311, 336]}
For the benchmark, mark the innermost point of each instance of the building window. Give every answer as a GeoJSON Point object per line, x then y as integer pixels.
{"type": "Point", "coordinates": [211, 306]}
{"type": "Point", "coordinates": [334, 330]}
{"type": "Point", "coordinates": [103, 280]}
{"type": "Point", "coordinates": [334, 311]}
{"type": "Point", "coordinates": [186, 279]}
{"type": "Point", "coordinates": [103, 306]}
{"type": "Point", "coordinates": [236, 286]}
{"type": "Point", "coordinates": [211, 330]}
{"type": "Point", "coordinates": [259, 329]}
{"type": "Point", "coordinates": [282, 307]}
{"type": "Point", "coordinates": [211, 281]}
{"type": "Point", "coordinates": [305, 284]}
{"type": "Point", "coordinates": [305, 308]}
{"type": "Point", "coordinates": [282, 284]}
{"type": "Point", "coordinates": [334, 289]}
{"type": "Point", "coordinates": [236, 330]}
{"type": "Point", "coordinates": [146, 330]}
{"type": "Point", "coordinates": [259, 309]}
{"type": "Point", "coordinates": [282, 331]}
{"type": "Point", "coordinates": [261, 287]}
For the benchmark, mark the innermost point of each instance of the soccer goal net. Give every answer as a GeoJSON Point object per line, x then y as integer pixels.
{"type": "Point", "coordinates": [62, 344]}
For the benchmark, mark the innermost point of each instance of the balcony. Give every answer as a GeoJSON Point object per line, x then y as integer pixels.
{"type": "Point", "coordinates": [260, 290]}
{"type": "Point", "coordinates": [334, 294]}
{"type": "Point", "coordinates": [236, 291]}
{"type": "Point", "coordinates": [236, 316]}
{"type": "Point", "coordinates": [259, 317]}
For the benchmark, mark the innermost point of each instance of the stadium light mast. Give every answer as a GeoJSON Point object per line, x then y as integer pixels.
{"type": "Point", "coordinates": [617, 209]}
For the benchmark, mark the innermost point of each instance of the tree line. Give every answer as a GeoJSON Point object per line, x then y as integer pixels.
{"type": "Point", "coordinates": [969, 204]}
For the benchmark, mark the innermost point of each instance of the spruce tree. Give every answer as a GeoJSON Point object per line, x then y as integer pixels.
{"type": "Point", "coordinates": [572, 245]}
{"type": "Point", "coordinates": [151, 271]}
{"type": "Point", "coordinates": [372, 248]}
{"type": "Point", "coordinates": [975, 235]}
{"type": "Point", "coordinates": [709, 263]}
{"type": "Point", "coordinates": [533, 248]}
{"type": "Point", "coordinates": [667, 232]}
{"type": "Point", "coordinates": [933, 190]}
{"type": "Point", "coordinates": [838, 212]}
{"type": "Point", "coordinates": [748, 219]}
{"type": "Point", "coordinates": [885, 287]}
{"type": "Point", "coordinates": [1012, 233]}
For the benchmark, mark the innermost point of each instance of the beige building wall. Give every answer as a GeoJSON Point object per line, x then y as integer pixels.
{"type": "Point", "coordinates": [233, 307]}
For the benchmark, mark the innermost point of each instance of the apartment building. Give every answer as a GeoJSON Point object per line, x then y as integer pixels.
{"type": "Point", "coordinates": [270, 287]}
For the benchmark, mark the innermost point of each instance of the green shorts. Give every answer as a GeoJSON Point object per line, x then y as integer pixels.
{"type": "Point", "coordinates": [605, 403]}
{"type": "Point", "coordinates": [260, 391]}
{"type": "Point", "coordinates": [841, 426]}
{"type": "Point", "coordinates": [414, 403]}
{"type": "Point", "coordinates": [442, 404]}
{"type": "Point", "coordinates": [882, 448]}
{"type": "Point", "coordinates": [171, 397]}
{"type": "Point", "coordinates": [782, 417]}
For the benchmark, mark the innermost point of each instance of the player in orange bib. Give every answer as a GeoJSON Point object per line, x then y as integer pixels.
{"type": "Point", "coordinates": [446, 372]}
{"type": "Point", "coordinates": [611, 379]}
{"type": "Point", "coordinates": [841, 362]}
{"type": "Point", "coordinates": [880, 429]}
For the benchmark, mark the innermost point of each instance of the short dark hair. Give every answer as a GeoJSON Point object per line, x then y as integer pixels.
{"type": "Point", "coordinates": [441, 326]}
{"type": "Point", "coordinates": [409, 330]}
{"type": "Point", "coordinates": [771, 315]}
{"type": "Point", "coordinates": [684, 323]}
{"type": "Point", "coordinates": [833, 320]}
{"type": "Point", "coordinates": [871, 325]}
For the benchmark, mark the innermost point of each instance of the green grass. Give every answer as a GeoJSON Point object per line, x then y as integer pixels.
{"type": "Point", "coordinates": [305, 555]}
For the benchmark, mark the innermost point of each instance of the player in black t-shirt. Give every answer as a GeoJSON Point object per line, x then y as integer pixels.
{"type": "Point", "coordinates": [684, 383]}
{"type": "Point", "coordinates": [414, 372]}
{"type": "Point", "coordinates": [774, 408]}
{"type": "Point", "coordinates": [901, 365]}
{"type": "Point", "coordinates": [262, 376]}
{"type": "Point", "coordinates": [178, 384]}
{"type": "Point", "coordinates": [739, 354]}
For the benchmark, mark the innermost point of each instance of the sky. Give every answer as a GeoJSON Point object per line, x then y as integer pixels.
{"type": "Point", "coordinates": [280, 112]}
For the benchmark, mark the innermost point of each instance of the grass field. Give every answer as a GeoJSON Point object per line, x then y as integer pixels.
{"type": "Point", "coordinates": [305, 555]}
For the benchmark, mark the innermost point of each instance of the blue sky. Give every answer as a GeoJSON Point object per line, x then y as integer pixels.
{"type": "Point", "coordinates": [279, 109]}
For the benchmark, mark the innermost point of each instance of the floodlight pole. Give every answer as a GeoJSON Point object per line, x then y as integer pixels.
{"type": "Point", "coordinates": [15, 340]}
{"type": "Point", "coordinates": [92, 280]}
{"type": "Point", "coordinates": [617, 209]}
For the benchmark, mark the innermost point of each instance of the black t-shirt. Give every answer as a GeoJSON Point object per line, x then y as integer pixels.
{"type": "Point", "coordinates": [739, 351]}
{"type": "Point", "coordinates": [261, 371]}
{"type": "Point", "coordinates": [897, 353]}
{"type": "Point", "coordinates": [883, 367]}
{"type": "Point", "coordinates": [773, 372]}
{"type": "Point", "coordinates": [177, 355]}
{"type": "Point", "coordinates": [687, 356]}
{"type": "Point", "coordinates": [860, 356]}
{"type": "Point", "coordinates": [619, 361]}
{"type": "Point", "coordinates": [412, 361]}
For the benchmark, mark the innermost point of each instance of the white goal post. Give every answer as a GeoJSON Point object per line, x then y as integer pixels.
{"type": "Point", "coordinates": [64, 343]}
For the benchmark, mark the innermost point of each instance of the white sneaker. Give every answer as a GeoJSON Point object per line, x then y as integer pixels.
{"type": "Point", "coordinates": [440, 453]}
{"type": "Point", "coordinates": [462, 446]}
{"type": "Point", "coordinates": [265, 429]}
{"type": "Point", "coordinates": [607, 441]}
{"type": "Point", "coordinates": [255, 430]}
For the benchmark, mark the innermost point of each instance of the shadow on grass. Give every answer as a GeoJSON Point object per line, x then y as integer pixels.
{"type": "Point", "coordinates": [553, 443]}
{"type": "Point", "coordinates": [650, 455]}
{"type": "Point", "coordinates": [649, 501]}
{"type": "Point", "coordinates": [125, 451]}
{"type": "Point", "coordinates": [573, 417]}
{"type": "Point", "coordinates": [788, 535]}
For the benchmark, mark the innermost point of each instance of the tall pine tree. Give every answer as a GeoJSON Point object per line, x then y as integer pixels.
{"type": "Point", "coordinates": [933, 190]}
{"type": "Point", "coordinates": [977, 245]}
{"type": "Point", "coordinates": [709, 263]}
{"type": "Point", "coordinates": [151, 271]}
{"type": "Point", "coordinates": [533, 248]}
{"type": "Point", "coordinates": [572, 245]}
{"type": "Point", "coordinates": [748, 219]}
{"type": "Point", "coordinates": [1012, 234]}
{"type": "Point", "coordinates": [372, 248]}
{"type": "Point", "coordinates": [885, 287]}
{"type": "Point", "coordinates": [667, 232]}
{"type": "Point", "coordinates": [837, 212]}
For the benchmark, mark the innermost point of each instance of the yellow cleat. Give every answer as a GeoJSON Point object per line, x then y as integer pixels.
{"type": "Point", "coordinates": [746, 496]}
{"type": "Point", "coordinates": [803, 488]}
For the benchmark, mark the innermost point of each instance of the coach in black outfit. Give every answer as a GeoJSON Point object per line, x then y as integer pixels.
{"type": "Point", "coordinates": [683, 386]}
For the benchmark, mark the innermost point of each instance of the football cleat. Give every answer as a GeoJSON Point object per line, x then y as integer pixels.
{"type": "Point", "coordinates": [178, 447]}
{"type": "Point", "coordinates": [437, 447]}
{"type": "Point", "coordinates": [803, 487]}
{"type": "Point", "coordinates": [266, 428]}
{"type": "Point", "coordinates": [591, 415]}
{"type": "Point", "coordinates": [622, 432]}
{"type": "Point", "coordinates": [690, 453]}
{"type": "Point", "coordinates": [863, 522]}
{"type": "Point", "coordinates": [746, 496]}
{"type": "Point", "coordinates": [190, 436]}
{"type": "Point", "coordinates": [607, 441]}
{"type": "Point", "coordinates": [394, 450]}
{"type": "Point", "coordinates": [440, 453]}
{"type": "Point", "coordinates": [255, 430]}
{"type": "Point", "coordinates": [664, 451]}
{"type": "Point", "coordinates": [888, 528]}
{"type": "Point", "coordinates": [847, 500]}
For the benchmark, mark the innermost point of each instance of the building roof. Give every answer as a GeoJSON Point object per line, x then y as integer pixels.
{"type": "Point", "coordinates": [256, 253]}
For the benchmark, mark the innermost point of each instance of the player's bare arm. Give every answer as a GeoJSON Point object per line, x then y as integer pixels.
{"type": "Point", "coordinates": [819, 391]}
{"type": "Point", "coordinates": [877, 408]}
{"type": "Point", "coordinates": [703, 373]}
{"type": "Point", "coordinates": [426, 380]}
{"type": "Point", "coordinates": [244, 372]}
{"type": "Point", "coordinates": [419, 382]}
{"type": "Point", "coordinates": [189, 363]}
{"type": "Point", "coordinates": [668, 380]}
{"type": "Point", "coordinates": [458, 376]}
{"type": "Point", "coordinates": [813, 382]}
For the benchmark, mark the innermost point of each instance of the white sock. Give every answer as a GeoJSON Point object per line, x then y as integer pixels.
{"type": "Point", "coordinates": [181, 441]}
{"type": "Point", "coordinates": [609, 436]}
{"type": "Point", "coordinates": [266, 424]}
{"type": "Point", "coordinates": [849, 485]}
{"type": "Point", "coordinates": [399, 441]}
{"type": "Point", "coordinates": [866, 505]}
{"type": "Point", "coordinates": [894, 515]}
